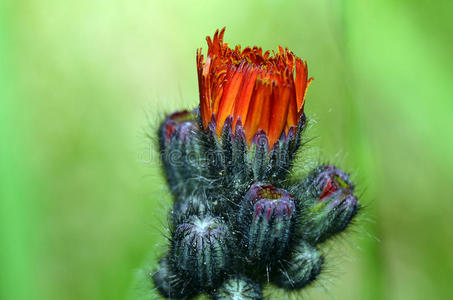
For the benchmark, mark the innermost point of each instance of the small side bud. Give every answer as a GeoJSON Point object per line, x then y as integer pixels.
{"type": "Point", "coordinates": [328, 202]}
{"type": "Point", "coordinates": [266, 216]}
{"type": "Point", "coordinates": [180, 151]}
{"type": "Point", "coordinates": [200, 249]}
{"type": "Point", "coordinates": [239, 288]}
{"type": "Point", "coordinates": [169, 283]}
{"type": "Point", "coordinates": [303, 266]}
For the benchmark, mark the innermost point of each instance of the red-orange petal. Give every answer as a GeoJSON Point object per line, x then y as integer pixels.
{"type": "Point", "coordinates": [242, 103]}
{"type": "Point", "coordinates": [292, 119]}
{"type": "Point", "coordinates": [266, 103]}
{"type": "Point", "coordinates": [301, 82]}
{"type": "Point", "coordinates": [279, 113]}
{"type": "Point", "coordinates": [205, 102]}
{"type": "Point", "coordinates": [260, 92]}
{"type": "Point", "coordinates": [230, 92]}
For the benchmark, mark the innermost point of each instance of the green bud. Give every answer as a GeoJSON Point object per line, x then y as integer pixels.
{"type": "Point", "coordinates": [303, 266]}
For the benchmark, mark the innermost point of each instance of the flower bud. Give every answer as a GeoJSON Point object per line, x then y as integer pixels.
{"type": "Point", "coordinates": [328, 203]}
{"type": "Point", "coordinates": [200, 249]}
{"type": "Point", "coordinates": [264, 91]}
{"type": "Point", "coordinates": [303, 266]}
{"type": "Point", "coordinates": [252, 97]}
{"type": "Point", "coordinates": [266, 218]}
{"type": "Point", "coordinates": [180, 151]}
{"type": "Point", "coordinates": [169, 283]}
{"type": "Point", "coordinates": [239, 288]}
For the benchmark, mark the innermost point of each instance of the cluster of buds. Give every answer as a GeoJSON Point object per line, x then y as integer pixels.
{"type": "Point", "coordinates": [239, 220]}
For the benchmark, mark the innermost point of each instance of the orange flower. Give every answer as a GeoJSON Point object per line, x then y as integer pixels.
{"type": "Point", "coordinates": [259, 90]}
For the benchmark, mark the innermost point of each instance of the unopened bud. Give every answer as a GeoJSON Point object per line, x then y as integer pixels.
{"type": "Point", "coordinates": [180, 151]}
{"type": "Point", "coordinates": [169, 283]}
{"type": "Point", "coordinates": [200, 249]}
{"type": "Point", "coordinates": [266, 218]}
{"type": "Point", "coordinates": [303, 266]}
{"type": "Point", "coordinates": [328, 203]}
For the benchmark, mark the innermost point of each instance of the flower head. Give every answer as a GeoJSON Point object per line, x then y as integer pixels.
{"type": "Point", "coordinates": [261, 91]}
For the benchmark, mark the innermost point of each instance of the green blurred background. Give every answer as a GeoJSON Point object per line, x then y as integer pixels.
{"type": "Point", "coordinates": [83, 203]}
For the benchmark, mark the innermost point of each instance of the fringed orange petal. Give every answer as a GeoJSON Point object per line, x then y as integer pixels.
{"type": "Point", "coordinates": [279, 113]}
{"type": "Point", "coordinates": [205, 101]}
{"type": "Point", "coordinates": [266, 91]}
{"type": "Point", "coordinates": [230, 92]}
{"type": "Point", "coordinates": [301, 82]}
{"type": "Point", "coordinates": [219, 79]}
{"type": "Point", "coordinates": [255, 112]}
{"type": "Point", "coordinates": [292, 119]}
{"type": "Point", "coordinates": [242, 103]}
{"type": "Point", "coordinates": [266, 103]}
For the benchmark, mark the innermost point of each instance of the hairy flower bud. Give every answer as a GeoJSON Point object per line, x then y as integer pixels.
{"type": "Point", "coordinates": [303, 266]}
{"type": "Point", "coordinates": [200, 249]}
{"type": "Point", "coordinates": [238, 288]}
{"type": "Point", "coordinates": [328, 202]}
{"type": "Point", "coordinates": [180, 151]}
{"type": "Point", "coordinates": [169, 283]}
{"type": "Point", "coordinates": [266, 217]}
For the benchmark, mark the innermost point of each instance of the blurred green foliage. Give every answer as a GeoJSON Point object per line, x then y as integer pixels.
{"type": "Point", "coordinates": [82, 201]}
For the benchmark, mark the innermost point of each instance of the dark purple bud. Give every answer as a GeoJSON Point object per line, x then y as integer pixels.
{"type": "Point", "coordinates": [266, 217]}
{"type": "Point", "coordinates": [180, 151]}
